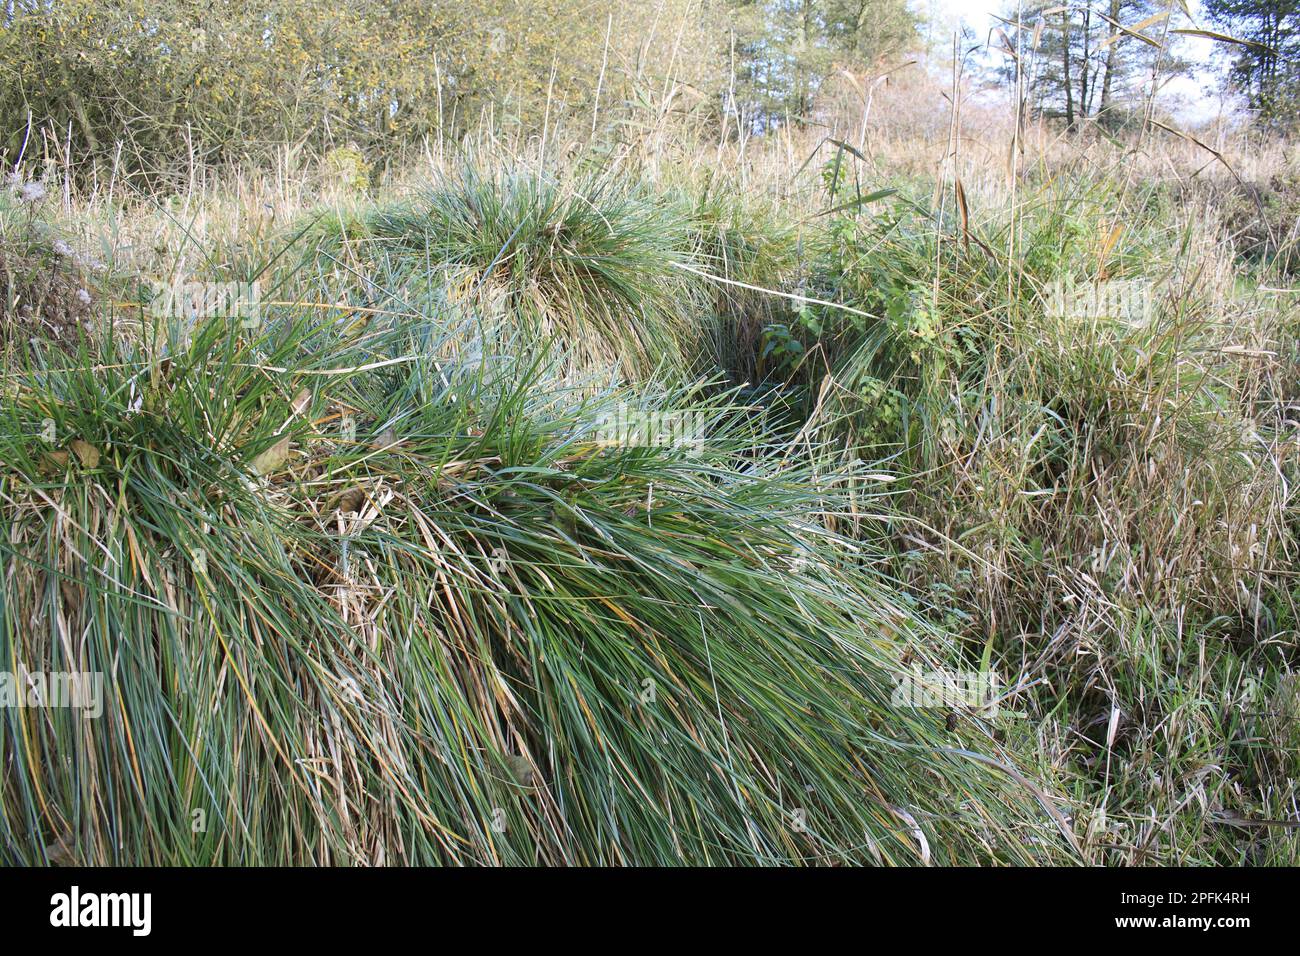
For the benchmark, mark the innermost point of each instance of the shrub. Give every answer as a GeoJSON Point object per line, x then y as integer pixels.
{"type": "Point", "coordinates": [47, 288]}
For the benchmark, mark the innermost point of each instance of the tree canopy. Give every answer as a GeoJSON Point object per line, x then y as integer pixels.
{"type": "Point", "coordinates": [1266, 63]}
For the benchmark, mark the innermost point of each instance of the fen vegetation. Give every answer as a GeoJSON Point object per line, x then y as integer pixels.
{"type": "Point", "coordinates": [687, 432]}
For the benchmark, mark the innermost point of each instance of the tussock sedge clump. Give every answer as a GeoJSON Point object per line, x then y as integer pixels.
{"type": "Point", "coordinates": [358, 605]}
{"type": "Point", "coordinates": [589, 261]}
{"type": "Point", "coordinates": [674, 280]}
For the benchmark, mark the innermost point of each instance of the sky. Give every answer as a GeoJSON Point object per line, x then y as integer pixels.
{"type": "Point", "coordinates": [1192, 99]}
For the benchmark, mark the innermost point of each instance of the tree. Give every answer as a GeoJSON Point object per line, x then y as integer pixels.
{"type": "Point", "coordinates": [785, 48]}
{"type": "Point", "coordinates": [1086, 60]}
{"type": "Point", "coordinates": [1266, 66]}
